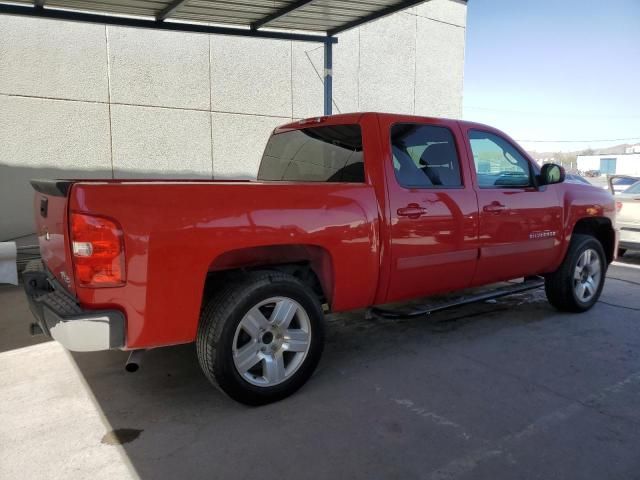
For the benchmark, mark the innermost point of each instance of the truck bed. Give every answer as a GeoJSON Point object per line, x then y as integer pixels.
{"type": "Point", "coordinates": [175, 233]}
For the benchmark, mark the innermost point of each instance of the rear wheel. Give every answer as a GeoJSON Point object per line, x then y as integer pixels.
{"type": "Point", "coordinates": [260, 339]}
{"type": "Point", "coordinates": [577, 284]}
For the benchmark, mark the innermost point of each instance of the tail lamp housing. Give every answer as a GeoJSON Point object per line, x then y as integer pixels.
{"type": "Point", "coordinates": [618, 206]}
{"type": "Point", "coordinates": [98, 251]}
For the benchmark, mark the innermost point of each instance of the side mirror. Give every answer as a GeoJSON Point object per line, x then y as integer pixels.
{"type": "Point", "coordinates": [551, 173]}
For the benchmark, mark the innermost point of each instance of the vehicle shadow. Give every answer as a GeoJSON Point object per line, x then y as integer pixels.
{"type": "Point", "coordinates": [188, 428]}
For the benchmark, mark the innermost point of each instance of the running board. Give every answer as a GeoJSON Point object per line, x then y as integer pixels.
{"type": "Point", "coordinates": [529, 283]}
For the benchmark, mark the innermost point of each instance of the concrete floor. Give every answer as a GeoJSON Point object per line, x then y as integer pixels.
{"type": "Point", "coordinates": [506, 390]}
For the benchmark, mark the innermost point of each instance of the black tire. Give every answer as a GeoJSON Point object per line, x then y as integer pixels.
{"type": "Point", "coordinates": [621, 252]}
{"type": "Point", "coordinates": [220, 319]}
{"type": "Point", "coordinates": [559, 285]}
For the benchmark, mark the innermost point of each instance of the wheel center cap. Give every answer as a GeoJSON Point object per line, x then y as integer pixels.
{"type": "Point", "coordinates": [267, 338]}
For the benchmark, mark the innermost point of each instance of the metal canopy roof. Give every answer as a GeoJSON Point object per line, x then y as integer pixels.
{"type": "Point", "coordinates": [303, 20]}
{"type": "Point", "coordinates": [313, 20]}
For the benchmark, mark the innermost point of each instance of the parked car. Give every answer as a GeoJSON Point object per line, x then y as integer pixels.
{"type": "Point", "coordinates": [349, 211]}
{"type": "Point", "coordinates": [628, 218]}
{"type": "Point", "coordinates": [592, 173]}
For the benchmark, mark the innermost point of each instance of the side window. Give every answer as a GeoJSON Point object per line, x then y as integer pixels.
{"type": "Point", "coordinates": [498, 163]}
{"type": "Point", "coordinates": [424, 156]}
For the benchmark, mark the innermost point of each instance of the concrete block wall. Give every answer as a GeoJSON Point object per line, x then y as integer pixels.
{"type": "Point", "coordinates": [91, 101]}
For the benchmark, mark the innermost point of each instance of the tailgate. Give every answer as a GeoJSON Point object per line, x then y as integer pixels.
{"type": "Point", "coordinates": [50, 209]}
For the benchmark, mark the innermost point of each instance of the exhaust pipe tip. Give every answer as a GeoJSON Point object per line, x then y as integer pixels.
{"type": "Point", "coordinates": [131, 367]}
{"type": "Point", "coordinates": [134, 361]}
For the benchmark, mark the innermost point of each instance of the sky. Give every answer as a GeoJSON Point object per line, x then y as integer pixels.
{"type": "Point", "coordinates": [551, 70]}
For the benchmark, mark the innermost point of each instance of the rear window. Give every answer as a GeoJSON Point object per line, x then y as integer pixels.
{"type": "Point", "coordinates": [317, 154]}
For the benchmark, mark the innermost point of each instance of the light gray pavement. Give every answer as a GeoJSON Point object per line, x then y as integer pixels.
{"type": "Point", "coordinates": [490, 391]}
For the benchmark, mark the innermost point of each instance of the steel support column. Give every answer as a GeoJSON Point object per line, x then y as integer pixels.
{"type": "Point", "coordinates": [328, 76]}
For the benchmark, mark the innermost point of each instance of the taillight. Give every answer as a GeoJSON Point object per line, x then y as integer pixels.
{"type": "Point", "coordinates": [618, 207]}
{"type": "Point", "coordinates": [98, 251]}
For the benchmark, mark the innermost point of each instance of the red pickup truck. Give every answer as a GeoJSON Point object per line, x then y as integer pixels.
{"type": "Point", "coordinates": [348, 211]}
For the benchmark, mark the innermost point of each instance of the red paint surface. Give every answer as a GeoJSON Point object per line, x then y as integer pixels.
{"type": "Point", "coordinates": [364, 253]}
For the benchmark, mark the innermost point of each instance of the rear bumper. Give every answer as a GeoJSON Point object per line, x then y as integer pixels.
{"type": "Point", "coordinates": [61, 318]}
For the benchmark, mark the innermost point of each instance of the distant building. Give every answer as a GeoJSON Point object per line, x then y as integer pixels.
{"type": "Point", "coordinates": [612, 164]}
{"type": "Point", "coordinates": [633, 149]}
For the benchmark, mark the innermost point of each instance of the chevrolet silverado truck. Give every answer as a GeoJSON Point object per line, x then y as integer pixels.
{"type": "Point", "coordinates": [347, 212]}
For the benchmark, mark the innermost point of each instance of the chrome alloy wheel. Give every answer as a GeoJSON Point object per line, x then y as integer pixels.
{"type": "Point", "coordinates": [587, 275]}
{"type": "Point", "coordinates": [271, 341]}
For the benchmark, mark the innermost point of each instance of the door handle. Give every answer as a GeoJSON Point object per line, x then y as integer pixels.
{"type": "Point", "coordinates": [413, 210]}
{"type": "Point", "coordinates": [494, 207]}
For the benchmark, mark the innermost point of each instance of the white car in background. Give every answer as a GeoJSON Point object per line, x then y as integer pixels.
{"type": "Point", "coordinates": [628, 218]}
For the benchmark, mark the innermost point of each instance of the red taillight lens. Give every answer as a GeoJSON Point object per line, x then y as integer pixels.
{"type": "Point", "coordinates": [618, 206]}
{"type": "Point", "coordinates": [98, 251]}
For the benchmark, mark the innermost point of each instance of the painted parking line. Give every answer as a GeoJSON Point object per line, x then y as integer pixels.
{"type": "Point", "coordinates": [626, 265]}
{"type": "Point", "coordinates": [463, 465]}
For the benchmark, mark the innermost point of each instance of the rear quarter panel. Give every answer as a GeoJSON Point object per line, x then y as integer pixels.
{"type": "Point", "coordinates": [175, 231]}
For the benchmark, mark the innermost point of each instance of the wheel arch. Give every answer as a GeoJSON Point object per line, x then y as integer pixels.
{"type": "Point", "coordinates": [310, 264]}
{"type": "Point", "coordinates": [602, 229]}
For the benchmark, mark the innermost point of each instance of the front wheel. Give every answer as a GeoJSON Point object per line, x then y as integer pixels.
{"type": "Point", "coordinates": [577, 284]}
{"type": "Point", "coordinates": [260, 339]}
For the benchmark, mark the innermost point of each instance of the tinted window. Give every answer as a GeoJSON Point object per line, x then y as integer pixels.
{"type": "Point", "coordinates": [498, 163]}
{"type": "Point", "coordinates": [424, 156]}
{"type": "Point", "coordinates": [317, 154]}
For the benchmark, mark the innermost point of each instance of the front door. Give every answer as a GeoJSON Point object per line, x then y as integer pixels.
{"type": "Point", "coordinates": [520, 224]}
{"type": "Point", "coordinates": [433, 224]}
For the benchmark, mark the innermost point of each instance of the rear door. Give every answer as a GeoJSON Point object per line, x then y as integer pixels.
{"type": "Point", "coordinates": [432, 208]}
{"type": "Point", "coordinates": [520, 224]}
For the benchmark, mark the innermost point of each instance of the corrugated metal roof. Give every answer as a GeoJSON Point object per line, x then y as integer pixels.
{"type": "Point", "coordinates": [324, 17]}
